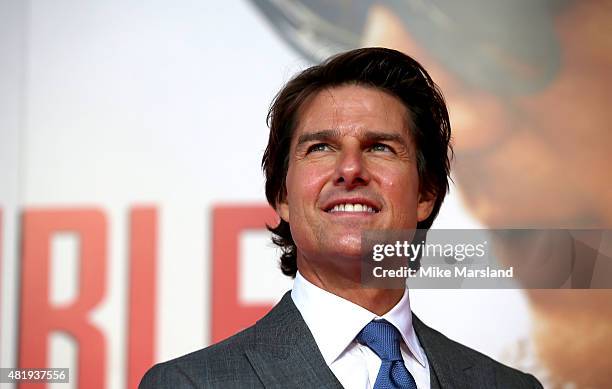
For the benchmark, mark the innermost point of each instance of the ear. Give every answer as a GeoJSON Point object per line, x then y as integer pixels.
{"type": "Point", "coordinates": [282, 209]}
{"type": "Point", "coordinates": [425, 205]}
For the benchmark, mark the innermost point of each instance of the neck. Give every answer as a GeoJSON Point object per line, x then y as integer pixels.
{"type": "Point", "coordinates": [346, 283]}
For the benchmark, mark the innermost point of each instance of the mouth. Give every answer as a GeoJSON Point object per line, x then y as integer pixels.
{"type": "Point", "coordinates": [352, 207]}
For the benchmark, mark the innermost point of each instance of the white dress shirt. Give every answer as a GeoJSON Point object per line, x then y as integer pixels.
{"type": "Point", "coordinates": [335, 322]}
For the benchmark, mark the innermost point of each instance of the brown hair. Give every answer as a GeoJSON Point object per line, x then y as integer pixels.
{"type": "Point", "coordinates": [388, 70]}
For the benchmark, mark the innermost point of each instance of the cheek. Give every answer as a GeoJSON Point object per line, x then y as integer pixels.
{"type": "Point", "coordinates": [400, 189]}
{"type": "Point", "coordinates": [399, 178]}
{"type": "Point", "coordinates": [304, 184]}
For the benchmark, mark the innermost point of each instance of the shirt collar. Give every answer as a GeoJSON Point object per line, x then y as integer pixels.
{"type": "Point", "coordinates": [335, 322]}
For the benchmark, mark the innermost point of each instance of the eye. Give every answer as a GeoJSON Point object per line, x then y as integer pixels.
{"type": "Point", "coordinates": [318, 147]}
{"type": "Point", "coordinates": [381, 147]}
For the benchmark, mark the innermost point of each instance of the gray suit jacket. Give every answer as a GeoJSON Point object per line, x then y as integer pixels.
{"type": "Point", "coordinates": [280, 352]}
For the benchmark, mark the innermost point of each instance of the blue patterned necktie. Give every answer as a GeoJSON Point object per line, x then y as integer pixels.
{"type": "Point", "coordinates": [384, 339]}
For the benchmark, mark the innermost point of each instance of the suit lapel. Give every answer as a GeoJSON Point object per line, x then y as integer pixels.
{"type": "Point", "coordinates": [285, 355]}
{"type": "Point", "coordinates": [452, 367]}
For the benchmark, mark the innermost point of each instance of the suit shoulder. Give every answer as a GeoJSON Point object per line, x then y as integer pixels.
{"type": "Point", "coordinates": [166, 375]}
{"type": "Point", "coordinates": [505, 376]}
{"type": "Point", "coordinates": [221, 361]}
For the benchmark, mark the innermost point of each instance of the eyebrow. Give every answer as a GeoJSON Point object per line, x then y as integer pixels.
{"type": "Point", "coordinates": [370, 136]}
{"type": "Point", "coordinates": [317, 135]}
{"type": "Point", "coordinates": [373, 136]}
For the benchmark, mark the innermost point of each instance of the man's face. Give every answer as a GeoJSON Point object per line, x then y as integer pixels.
{"type": "Point", "coordinates": [352, 167]}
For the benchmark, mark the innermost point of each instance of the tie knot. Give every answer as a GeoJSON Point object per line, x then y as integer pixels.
{"type": "Point", "coordinates": [383, 338]}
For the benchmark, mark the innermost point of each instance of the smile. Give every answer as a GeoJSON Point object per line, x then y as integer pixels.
{"type": "Point", "coordinates": [348, 207]}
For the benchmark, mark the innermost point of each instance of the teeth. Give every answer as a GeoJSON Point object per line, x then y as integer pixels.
{"type": "Point", "coordinates": [352, 208]}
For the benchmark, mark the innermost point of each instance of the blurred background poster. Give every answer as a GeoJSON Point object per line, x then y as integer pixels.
{"type": "Point", "coordinates": [132, 206]}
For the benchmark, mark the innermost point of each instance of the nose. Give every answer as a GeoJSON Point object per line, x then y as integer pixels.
{"type": "Point", "coordinates": [351, 170]}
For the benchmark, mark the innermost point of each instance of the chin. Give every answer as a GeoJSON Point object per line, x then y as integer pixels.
{"type": "Point", "coordinates": [335, 250]}
{"type": "Point", "coordinates": [348, 246]}
{"type": "Point", "coordinates": [347, 252]}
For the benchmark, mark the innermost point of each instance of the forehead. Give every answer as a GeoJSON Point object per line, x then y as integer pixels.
{"type": "Point", "coordinates": [352, 109]}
